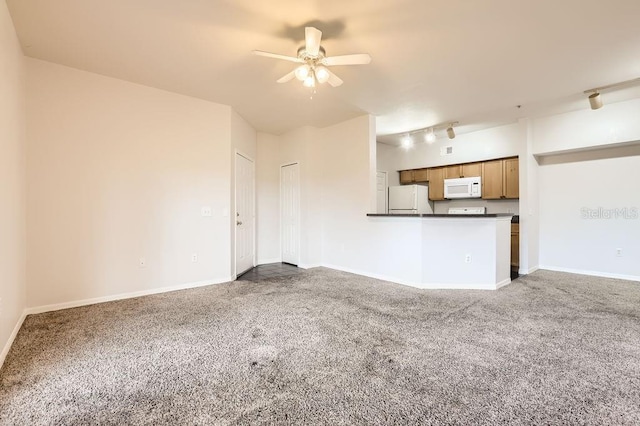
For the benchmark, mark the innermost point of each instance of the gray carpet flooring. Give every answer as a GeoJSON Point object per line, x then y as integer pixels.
{"type": "Point", "coordinates": [326, 347]}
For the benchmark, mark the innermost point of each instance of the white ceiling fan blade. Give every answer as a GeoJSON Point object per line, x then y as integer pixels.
{"type": "Point", "coordinates": [312, 37]}
{"type": "Point", "coordinates": [356, 59]}
{"type": "Point", "coordinates": [287, 77]}
{"type": "Point", "coordinates": [276, 56]}
{"type": "Point", "coordinates": [334, 80]}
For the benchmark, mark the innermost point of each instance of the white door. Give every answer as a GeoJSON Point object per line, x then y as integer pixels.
{"type": "Point", "coordinates": [244, 214]}
{"type": "Point", "coordinates": [290, 213]}
{"type": "Point", "coordinates": [381, 192]}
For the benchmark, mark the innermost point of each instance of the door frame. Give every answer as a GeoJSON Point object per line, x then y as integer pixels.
{"type": "Point", "coordinates": [386, 190]}
{"type": "Point", "coordinates": [282, 165]}
{"type": "Point", "coordinates": [235, 210]}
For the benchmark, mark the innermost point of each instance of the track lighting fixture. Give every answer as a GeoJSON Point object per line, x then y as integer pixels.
{"type": "Point", "coordinates": [595, 100]}
{"type": "Point", "coordinates": [407, 142]}
{"type": "Point", "coordinates": [450, 133]}
{"type": "Point", "coordinates": [429, 133]}
{"type": "Point", "coordinates": [430, 137]}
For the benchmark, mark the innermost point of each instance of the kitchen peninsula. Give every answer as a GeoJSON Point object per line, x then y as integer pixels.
{"type": "Point", "coordinates": [446, 251]}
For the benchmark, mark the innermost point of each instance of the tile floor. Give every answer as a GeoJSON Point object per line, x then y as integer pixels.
{"type": "Point", "coordinates": [278, 270]}
{"type": "Point", "coordinates": [270, 270]}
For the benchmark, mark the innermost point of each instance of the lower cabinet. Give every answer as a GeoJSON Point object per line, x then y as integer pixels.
{"type": "Point", "coordinates": [515, 245]}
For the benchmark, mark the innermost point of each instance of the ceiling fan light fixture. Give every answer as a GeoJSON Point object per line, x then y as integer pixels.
{"type": "Point", "coordinates": [302, 72]}
{"type": "Point", "coordinates": [322, 74]}
{"type": "Point", "coordinates": [313, 62]}
{"type": "Point", "coordinates": [309, 81]}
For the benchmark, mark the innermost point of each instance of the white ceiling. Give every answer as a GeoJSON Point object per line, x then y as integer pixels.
{"type": "Point", "coordinates": [433, 60]}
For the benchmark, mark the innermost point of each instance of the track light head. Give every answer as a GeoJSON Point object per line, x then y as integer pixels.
{"type": "Point", "coordinates": [407, 142]}
{"type": "Point", "coordinates": [450, 133]}
{"type": "Point", "coordinates": [430, 136]}
{"type": "Point", "coordinates": [595, 100]}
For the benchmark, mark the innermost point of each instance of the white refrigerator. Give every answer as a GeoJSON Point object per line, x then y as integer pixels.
{"type": "Point", "coordinates": [409, 199]}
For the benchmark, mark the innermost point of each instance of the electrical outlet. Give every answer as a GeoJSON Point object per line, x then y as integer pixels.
{"type": "Point", "coordinates": [143, 262]}
{"type": "Point", "coordinates": [206, 211]}
{"type": "Point", "coordinates": [194, 257]}
{"type": "Point", "coordinates": [619, 252]}
{"type": "Point", "coordinates": [467, 258]}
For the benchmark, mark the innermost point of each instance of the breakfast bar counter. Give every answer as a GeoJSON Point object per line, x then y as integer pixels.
{"type": "Point", "coordinates": [444, 251]}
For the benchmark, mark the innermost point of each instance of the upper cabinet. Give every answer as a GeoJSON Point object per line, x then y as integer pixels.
{"type": "Point", "coordinates": [463, 170]}
{"type": "Point", "coordinates": [511, 178]}
{"type": "Point", "coordinates": [500, 179]}
{"type": "Point", "coordinates": [436, 183]}
{"type": "Point", "coordinates": [421, 175]}
{"type": "Point", "coordinates": [452, 172]}
{"type": "Point", "coordinates": [406, 176]}
{"type": "Point", "coordinates": [413, 176]}
{"type": "Point", "coordinates": [471, 170]}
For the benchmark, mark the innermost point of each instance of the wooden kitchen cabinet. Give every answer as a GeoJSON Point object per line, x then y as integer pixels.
{"type": "Point", "coordinates": [436, 183]}
{"type": "Point", "coordinates": [420, 175]}
{"type": "Point", "coordinates": [463, 170]}
{"type": "Point", "coordinates": [492, 180]}
{"type": "Point", "coordinates": [500, 179]}
{"type": "Point", "coordinates": [406, 176]}
{"type": "Point", "coordinates": [413, 176]}
{"type": "Point", "coordinates": [515, 246]}
{"type": "Point", "coordinates": [511, 178]}
{"type": "Point", "coordinates": [453, 172]}
{"type": "Point", "coordinates": [471, 169]}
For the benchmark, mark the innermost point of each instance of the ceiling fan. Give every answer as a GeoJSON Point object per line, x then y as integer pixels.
{"type": "Point", "coordinates": [314, 61]}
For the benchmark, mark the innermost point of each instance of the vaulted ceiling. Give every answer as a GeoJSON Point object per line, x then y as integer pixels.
{"type": "Point", "coordinates": [433, 60]}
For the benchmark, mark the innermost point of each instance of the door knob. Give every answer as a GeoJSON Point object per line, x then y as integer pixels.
{"type": "Point", "coordinates": [238, 223]}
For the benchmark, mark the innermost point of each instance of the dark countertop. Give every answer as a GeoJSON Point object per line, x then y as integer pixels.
{"type": "Point", "coordinates": [441, 215]}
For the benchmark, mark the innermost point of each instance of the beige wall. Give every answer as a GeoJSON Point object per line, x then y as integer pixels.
{"type": "Point", "coordinates": [243, 142]}
{"type": "Point", "coordinates": [298, 146]}
{"type": "Point", "coordinates": [336, 180]}
{"type": "Point", "coordinates": [118, 172]}
{"type": "Point", "coordinates": [12, 182]}
{"type": "Point", "coordinates": [268, 199]}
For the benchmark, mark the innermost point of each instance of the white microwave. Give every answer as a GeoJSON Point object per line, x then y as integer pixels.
{"type": "Point", "coordinates": [470, 187]}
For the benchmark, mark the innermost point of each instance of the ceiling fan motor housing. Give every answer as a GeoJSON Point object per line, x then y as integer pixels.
{"type": "Point", "coordinates": [302, 54]}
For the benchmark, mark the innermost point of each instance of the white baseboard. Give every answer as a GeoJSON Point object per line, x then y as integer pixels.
{"type": "Point", "coordinates": [528, 271]}
{"type": "Point", "coordinates": [309, 265]}
{"type": "Point", "coordinates": [121, 296]}
{"type": "Point", "coordinates": [266, 261]}
{"type": "Point", "coordinates": [370, 275]}
{"type": "Point", "coordinates": [591, 273]}
{"type": "Point", "coordinates": [503, 283]}
{"type": "Point", "coordinates": [430, 286]}
{"type": "Point", "coordinates": [12, 337]}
